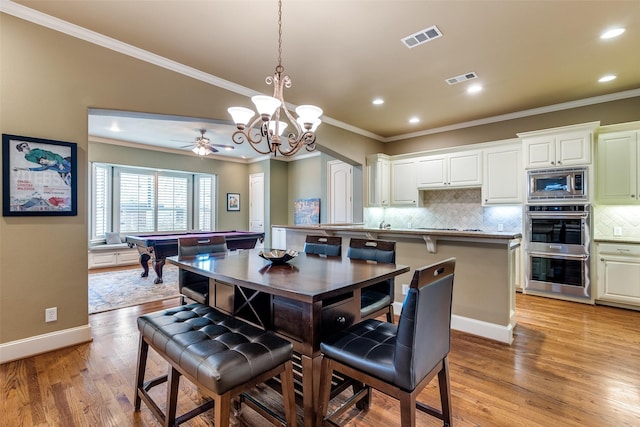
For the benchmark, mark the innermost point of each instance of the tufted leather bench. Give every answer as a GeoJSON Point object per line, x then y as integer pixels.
{"type": "Point", "coordinates": [222, 355]}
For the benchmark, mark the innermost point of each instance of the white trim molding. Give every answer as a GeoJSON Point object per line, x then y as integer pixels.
{"type": "Point", "coordinates": [38, 344]}
{"type": "Point", "coordinates": [488, 330]}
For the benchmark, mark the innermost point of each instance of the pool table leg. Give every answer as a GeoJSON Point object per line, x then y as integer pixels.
{"type": "Point", "coordinates": [144, 262]}
{"type": "Point", "coordinates": [158, 264]}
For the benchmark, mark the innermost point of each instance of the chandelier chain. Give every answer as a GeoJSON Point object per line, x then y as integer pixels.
{"type": "Point", "coordinates": [279, 33]}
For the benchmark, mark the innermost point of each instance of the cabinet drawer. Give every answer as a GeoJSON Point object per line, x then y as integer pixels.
{"type": "Point", "coordinates": [337, 316]}
{"type": "Point", "coordinates": [619, 249]}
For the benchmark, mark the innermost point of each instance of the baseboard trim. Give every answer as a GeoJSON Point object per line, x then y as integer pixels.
{"type": "Point", "coordinates": [483, 329]}
{"type": "Point", "coordinates": [475, 327]}
{"type": "Point", "coordinates": [32, 346]}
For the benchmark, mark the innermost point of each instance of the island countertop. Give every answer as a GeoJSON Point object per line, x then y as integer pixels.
{"type": "Point", "coordinates": [405, 232]}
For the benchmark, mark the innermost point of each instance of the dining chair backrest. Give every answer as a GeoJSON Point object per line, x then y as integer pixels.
{"type": "Point", "coordinates": [372, 250]}
{"type": "Point", "coordinates": [323, 245]}
{"type": "Point", "coordinates": [424, 327]}
{"type": "Point", "coordinates": [189, 246]}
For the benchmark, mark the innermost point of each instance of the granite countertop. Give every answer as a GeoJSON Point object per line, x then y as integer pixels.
{"type": "Point", "coordinates": [467, 233]}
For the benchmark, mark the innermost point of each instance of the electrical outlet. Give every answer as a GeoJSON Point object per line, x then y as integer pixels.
{"type": "Point", "coordinates": [51, 314]}
{"type": "Point", "coordinates": [500, 227]}
{"type": "Point", "coordinates": [617, 231]}
{"type": "Point", "coordinates": [405, 289]}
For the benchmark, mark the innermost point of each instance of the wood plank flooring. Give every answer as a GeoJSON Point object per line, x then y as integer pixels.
{"type": "Point", "coordinates": [570, 365]}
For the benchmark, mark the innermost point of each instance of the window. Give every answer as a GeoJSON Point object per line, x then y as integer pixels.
{"type": "Point", "coordinates": [138, 200]}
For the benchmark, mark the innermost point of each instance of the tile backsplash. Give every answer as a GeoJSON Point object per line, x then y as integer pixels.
{"type": "Point", "coordinates": [607, 218]}
{"type": "Point", "coordinates": [461, 209]}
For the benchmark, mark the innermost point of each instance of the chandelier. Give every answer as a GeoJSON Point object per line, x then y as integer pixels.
{"type": "Point", "coordinates": [264, 132]}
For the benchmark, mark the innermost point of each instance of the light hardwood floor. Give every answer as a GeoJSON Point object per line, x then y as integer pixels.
{"type": "Point", "coordinates": [570, 365]}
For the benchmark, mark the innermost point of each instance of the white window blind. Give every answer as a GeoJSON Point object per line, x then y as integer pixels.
{"type": "Point", "coordinates": [172, 203]}
{"type": "Point", "coordinates": [205, 202]}
{"type": "Point", "coordinates": [100, 206]}
{"type": "Point", "coordinates": [139, 200]}
{"type": "Point", "coordinates": [137, 203]}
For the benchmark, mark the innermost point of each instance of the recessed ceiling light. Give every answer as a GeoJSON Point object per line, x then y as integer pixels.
{"type": "Point", "coordinates": [474, 89]}
{"type": "Point", "coordinates": [607, 78]}
{"type": "Point", "coordinates": [378, 101]}
{"type": "Point", "coordinates": [414, 120]}
{"type": "Point", "coordinates": [614, 32]}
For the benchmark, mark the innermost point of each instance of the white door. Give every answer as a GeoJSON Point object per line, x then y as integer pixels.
{"type": "Point", "coordinates": [256, 204]}
{"type": "Point", "coordinates": [340, 209]}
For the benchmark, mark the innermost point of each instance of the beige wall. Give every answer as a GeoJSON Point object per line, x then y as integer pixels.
{"type": "Point", "coordinates": [49, 81]}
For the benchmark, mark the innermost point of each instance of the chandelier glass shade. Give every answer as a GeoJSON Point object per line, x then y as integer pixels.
{"type": "Point", "coordinates": [264, 132]}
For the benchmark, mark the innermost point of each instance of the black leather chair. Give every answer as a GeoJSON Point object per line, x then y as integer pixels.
{"type": "Point", "coordinates": [401, 360]}
{"type": "Point", "coordinates": [192, 285]}
{"type": "Point", "coordinates": [323, 245]}
{"type": "Point", "coordinates": [375, 299]}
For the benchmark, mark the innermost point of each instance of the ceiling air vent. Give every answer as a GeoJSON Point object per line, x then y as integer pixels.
{"type": "Point", "coordinates": [421, 37]}
{"type": "Point", "coordinates": [461, 78]}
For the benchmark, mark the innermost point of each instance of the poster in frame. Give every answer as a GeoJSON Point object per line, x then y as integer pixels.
{"type": "Point", "coordinates": [39, 177]}
{"type": "Point", "coordinates": [233, 201]}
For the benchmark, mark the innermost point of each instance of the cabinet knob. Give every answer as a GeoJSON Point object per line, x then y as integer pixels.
{"type": "Point", "coordinates": [633, 196]}
{"type": "Point", "coordinates": [341, 320]}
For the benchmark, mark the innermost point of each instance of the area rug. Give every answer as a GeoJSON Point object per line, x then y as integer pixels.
{"type": "Point", "coordinates": [125, 288]}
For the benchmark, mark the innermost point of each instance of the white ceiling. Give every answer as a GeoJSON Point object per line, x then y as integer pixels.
{"type": "Point", "coordinates": [341, 54]}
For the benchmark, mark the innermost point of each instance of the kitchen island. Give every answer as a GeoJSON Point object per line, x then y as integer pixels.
{"type": "Point", "coordinates": [486, 268]}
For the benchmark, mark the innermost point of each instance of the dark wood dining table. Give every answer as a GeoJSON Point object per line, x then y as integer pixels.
{"type": "Point", "coordinates": [304, 300]}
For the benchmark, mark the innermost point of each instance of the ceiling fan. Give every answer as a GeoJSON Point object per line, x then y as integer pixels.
{"type": "Point", "coordinates": [203, 145]}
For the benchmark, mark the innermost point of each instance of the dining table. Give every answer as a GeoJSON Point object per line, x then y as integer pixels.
{"type": "Point", "coordinates": [303, 300]}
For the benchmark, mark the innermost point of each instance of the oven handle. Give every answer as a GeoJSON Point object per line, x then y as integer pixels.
{"type": "Point", "coordinates": [582, 257]}
{"type": "Point", "coordinates": [561, 215]}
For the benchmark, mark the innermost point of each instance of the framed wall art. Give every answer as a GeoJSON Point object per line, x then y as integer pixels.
{"type": "Point", "coordinates": [39, 177]}
{"type": "Point", "coordinates": [233, 201]}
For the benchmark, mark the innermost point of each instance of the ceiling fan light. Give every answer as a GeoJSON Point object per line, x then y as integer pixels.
{"type": "Point", "coordinates": [308, 113]}
{"type": "Point", "coordinates": [281, 127]}
{"type": "Point", "coordinates": [201, 150]}
{"type": "Point", "coordinates": [266, 105]}
{"type": "Point", "coordinates": [241, 115]}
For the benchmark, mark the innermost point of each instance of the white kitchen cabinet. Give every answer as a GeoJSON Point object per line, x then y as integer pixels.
{"type": "Point", "coordinates": [618, 273]}
{"type": "Point", "coordinates": [558, 147]}
{"type": "Point", "coordinates": [403, 183]}
{"type": "Point", "coordinates": [108, 256]}
{"type": "Point", "coordinates": [618, 160]}
{"type": "Point", "coordinates": [502, 182]}
{"type": "Point", "coordinates": [379, 180]}
{"type": "Point", "coordinates": [451, 170]}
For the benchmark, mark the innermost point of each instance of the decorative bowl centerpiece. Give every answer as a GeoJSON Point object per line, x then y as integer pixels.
{"type": "Point", "coordinates": [278, 256]}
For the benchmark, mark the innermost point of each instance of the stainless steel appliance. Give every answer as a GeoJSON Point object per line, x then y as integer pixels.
{"type": "Point", "coordinates": [556, 185]}
{"type": "Point", "coordinates": [557, 246]}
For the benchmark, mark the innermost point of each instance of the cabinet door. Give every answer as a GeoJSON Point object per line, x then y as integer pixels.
{"type": "Point", "coordinates": [379, 181]}
{"type": "Point", "coordinates": [431, 171]}
{"type": "Point", "coordinates": [540, 152]}
{"type": "Point", "coordinates": [617, 168]}
{"type": "Point", "coordinates": [619, 279]}
{"type": "Point", "coordinates": [465, 169]}
{"type": "Point", "coordinates": [403, 183]}
{"type": "Point", "coordinates": [502, 182]}
{"type": "Point", "coordinates": [573, 149]}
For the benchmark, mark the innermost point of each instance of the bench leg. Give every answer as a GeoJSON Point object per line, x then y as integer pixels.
{"type": "Point", "coordinates": [222, 410]}
{"type": "Point", "coordinates": [143, 351]}
{"type": "Point", "coordinates": [172, 397]}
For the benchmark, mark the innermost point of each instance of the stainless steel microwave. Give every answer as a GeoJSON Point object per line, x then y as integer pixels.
{"type": "Point", "coordinates": [553, 185]}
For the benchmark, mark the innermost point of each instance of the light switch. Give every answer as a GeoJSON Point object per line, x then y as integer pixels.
{"type": "Point", "coordinates": [617, 231]}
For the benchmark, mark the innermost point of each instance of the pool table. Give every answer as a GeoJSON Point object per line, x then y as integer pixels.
{"type": "Point", "coordinates": [157, 247]}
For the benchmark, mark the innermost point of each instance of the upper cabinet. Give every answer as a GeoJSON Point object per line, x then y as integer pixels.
{"type": "Point", "coordinates": [379, 180]}
{"type": "Point", "coordinates": [618, 160]}
{"type": "Point", "coordinates": [403, 183]}
{"type": "Point", "coordinates": [558, 147]}
{"type": "Point", "coordinates": [452, 170]}
{"type": "Point", "coordinates": [502, 182]}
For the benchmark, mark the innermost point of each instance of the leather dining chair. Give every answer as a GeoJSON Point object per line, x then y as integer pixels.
{"type": "Point", "coordinates": [397, 360]}
{"type": "Point", "coordinates": [323, 245]}
{"type": "Point", "coordinates": [378, 298]}
{"type": "Point", "coordinates": [192, 285]}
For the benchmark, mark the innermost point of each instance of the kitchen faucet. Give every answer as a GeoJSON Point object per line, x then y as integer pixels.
{"type": "Point", "coordinates": [384, 225]}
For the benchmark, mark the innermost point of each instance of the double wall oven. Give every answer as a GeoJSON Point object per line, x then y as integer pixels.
{"type": "Point", "coordinates": [557, 241]}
